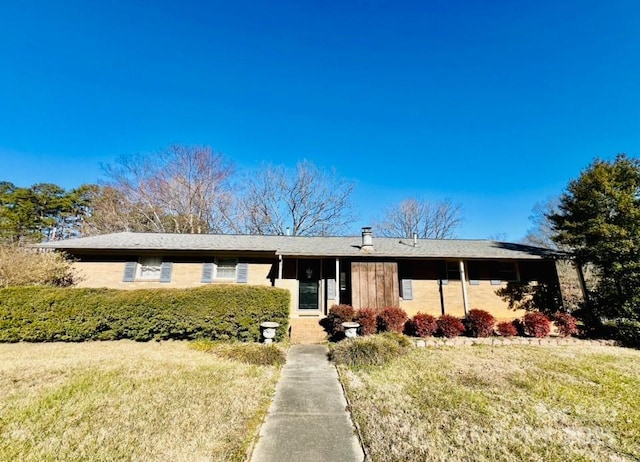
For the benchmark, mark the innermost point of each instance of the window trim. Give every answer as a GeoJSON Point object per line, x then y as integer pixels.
{"type": "Point", "coordinates": [140, 266]}
{"type": "Point", "coordinates": [215, 276]}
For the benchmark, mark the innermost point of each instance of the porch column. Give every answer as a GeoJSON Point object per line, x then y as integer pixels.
{"type": "Point", "coordinates": [583, 282]}
{"type": "Point", "coordinates": [279, 266]}
{"type": "Point", "coordinates": [337, 281]}
{"type": "Point", "coordinates": [463, 280]}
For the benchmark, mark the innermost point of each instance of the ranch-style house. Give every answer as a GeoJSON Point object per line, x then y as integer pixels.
{"type": "Point", "coordinates": [431, 276]}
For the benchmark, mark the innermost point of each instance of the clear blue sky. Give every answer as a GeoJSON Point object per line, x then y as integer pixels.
{"type": "Point", "coordinates": [494, 104]}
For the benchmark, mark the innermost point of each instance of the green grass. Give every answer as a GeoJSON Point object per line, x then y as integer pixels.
{"type": "Point", "coordinates": [578, 403]}
{"type": "Point", "coordinates": [105, 401]}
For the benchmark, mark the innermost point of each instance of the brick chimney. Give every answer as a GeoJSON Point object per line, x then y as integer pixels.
{"type": "Point", "coordinates": [367, 239]}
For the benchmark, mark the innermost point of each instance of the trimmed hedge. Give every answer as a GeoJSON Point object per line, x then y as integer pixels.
{"type": "Point", "coordinates": [224, 312]}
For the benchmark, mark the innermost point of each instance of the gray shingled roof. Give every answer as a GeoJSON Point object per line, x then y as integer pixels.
{"type": "Point", "coordinates": [306, 246]}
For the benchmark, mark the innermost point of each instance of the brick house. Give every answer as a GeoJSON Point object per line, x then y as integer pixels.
{"type": "Point", "coordinates": [431, 276]}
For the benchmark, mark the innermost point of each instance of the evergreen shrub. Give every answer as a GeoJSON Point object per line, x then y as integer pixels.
{"type": "Point", "coordinates": [480, 323]}
{"type": "Point", "coordinates": [422, 325]}
{"type": "Point", "coordinates": [336, 316]}
{"type": "Point", "coordinates": [565, 323]}
{"type": "Point", "coordinates": [368, 319]}
{"type": "Point", "coordinates": [392, 319]}
{"type": "Point", "coordinates": [221, 312]}
{"type": "Point", "coordinates": [536, 324]}
{"type": "Point", "coordinates": [450, 326]}
{"type": "Point", "coordinates": [507, 329]}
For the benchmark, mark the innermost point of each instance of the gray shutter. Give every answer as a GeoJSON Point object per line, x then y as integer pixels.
{"type": "Point", "coordinates": [129, 271]}
{"type": "Point", "coordinates": [207, 272]}
{"type": "Point", "coordinates": [165, 271]}
{"type": "Point", "coordinates": [331, 289]}
{"type": "Point", "coordinates": [407, 289]}
{"type": "Point", "coordinates": [242, 273]}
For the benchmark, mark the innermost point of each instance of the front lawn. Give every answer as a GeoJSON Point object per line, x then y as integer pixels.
{"type": "Point", "coordinates": [105, 401]}
{"type": "Point", "coordinates": [508, 403]}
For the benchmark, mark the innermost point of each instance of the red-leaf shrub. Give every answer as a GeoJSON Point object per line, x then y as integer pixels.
{"type": "Point", "coordinates": [450, 326]}
{"type": "Point", "coordinates": [337, 315]}
{"type": "Point", "coordinates": [536, 324]}
{"type": "Point", "coordinates": [507, 329]}
{"type": "Point", "coordinates": [422, 325]}
{"type": "Point", "coordinates": [480, 323]}
{"type": "Point", "coordinates": [368, 319]}
{"type": "Point", "coordinates": [567, 325]}
{"type": "Point", "coordinates": [392, 319]}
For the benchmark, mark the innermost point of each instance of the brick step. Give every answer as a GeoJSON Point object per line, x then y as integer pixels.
{"type": "Point", "coordinates": [307, 331]}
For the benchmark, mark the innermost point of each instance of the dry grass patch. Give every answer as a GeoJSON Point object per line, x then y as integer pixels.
{"type": "Point", "coordinates": [504, 404]}
{"type": "Point", "coordinates": [249, 353]}
{"type": "Point", "coordinates": [128, 401]}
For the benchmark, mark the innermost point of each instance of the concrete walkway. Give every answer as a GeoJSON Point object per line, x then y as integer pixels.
{"type": "Point", "coordinates": [307, 420]}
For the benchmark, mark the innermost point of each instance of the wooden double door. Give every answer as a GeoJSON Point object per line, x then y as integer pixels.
{"type": "Point", "coordinates": [374, 285]}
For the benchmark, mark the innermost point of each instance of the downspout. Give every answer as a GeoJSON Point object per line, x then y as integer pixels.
{"type": "Point", "coordinates": [337, 294]}
{"type": "Point", "coordinates": [322, 290]}
{"type": "Point", "coordinates": [463, 280]}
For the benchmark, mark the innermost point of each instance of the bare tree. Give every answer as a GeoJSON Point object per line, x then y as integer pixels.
{"type": "Point", "coordinates": [541, 234]}
{"type": "Point", "coordinates": [308, 200]}
{"type": "Point", "coordinates": [430, 220]}
{"type": "Point", "coordinates": [181, 189]}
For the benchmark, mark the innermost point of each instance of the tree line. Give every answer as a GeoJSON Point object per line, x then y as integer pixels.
{"type": "Point", "coordinates": [194, 189]}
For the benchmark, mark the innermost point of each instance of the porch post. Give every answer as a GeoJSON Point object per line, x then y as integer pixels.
{"type": "Point", "coordinates": [583, 282]}
{"type": "Point", "coordinates": [279, 266]}
{"type": "Point", "coordinates": [337, 281]}
{"type": "Point", "coordinates": [463, 280]}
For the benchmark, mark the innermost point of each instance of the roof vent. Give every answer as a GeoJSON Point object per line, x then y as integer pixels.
{"type": "Point", "coordinates": [367, 239]}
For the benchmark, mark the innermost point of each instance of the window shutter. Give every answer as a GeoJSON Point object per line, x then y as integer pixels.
{"type": "Point", "coordinates": [331, 289]}
{"type": "Point", "coordinates": [207, 272]}
{"type": "Point", "coordinates": [165, 271]}
{"type": "Point", "coordinates": [129, 271]}
{"type": "Point", "coordinates": [407, 289]}
{"type": "Point", "coordinates": [243, 273]}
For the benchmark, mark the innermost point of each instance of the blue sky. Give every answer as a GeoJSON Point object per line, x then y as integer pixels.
{"type": "Point", "coordinates": [494, 104]}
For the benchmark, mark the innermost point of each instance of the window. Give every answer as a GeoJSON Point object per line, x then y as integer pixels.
{"type": "Point", "coordinates": [507, 271]}
{"type": "Point", "coordinates": [453, 270]}
{"type": "Point", "coordinates": [225, 268]}
{"type": "Point", "coordinates": [149, 268]}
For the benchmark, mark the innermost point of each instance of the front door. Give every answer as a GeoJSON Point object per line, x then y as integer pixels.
{"type": "Point", "coordinates": [308, 295]}
{"type": "Point", "coordinates": [309, 286]}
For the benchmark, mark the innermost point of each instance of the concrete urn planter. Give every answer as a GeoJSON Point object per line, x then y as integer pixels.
{"type": "Point", "coordinates": [268, 329]}
{"type": "Point", "coordinates": [350, 329]}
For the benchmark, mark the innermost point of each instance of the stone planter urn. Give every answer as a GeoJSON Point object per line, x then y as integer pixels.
{"type": "Point", "coordinates": [351, 329]}
{"type": "Point", "coordinates": [268, 329]}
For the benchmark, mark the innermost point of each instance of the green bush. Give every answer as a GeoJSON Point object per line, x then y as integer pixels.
{"type": "Point", "coordinates": [629, 333]}
{"type": "Point", "coordinates": [248, 353]}
{"type": "Point", "coordinates": [225, 312]}
{"type": "Point", "coordinates": [372, 350]}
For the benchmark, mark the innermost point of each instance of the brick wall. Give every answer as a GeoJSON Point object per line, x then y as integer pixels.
{"type": "Point", "coordinates": [426, 299]}
{"type": "Point", "coordinates": [184, 275]}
